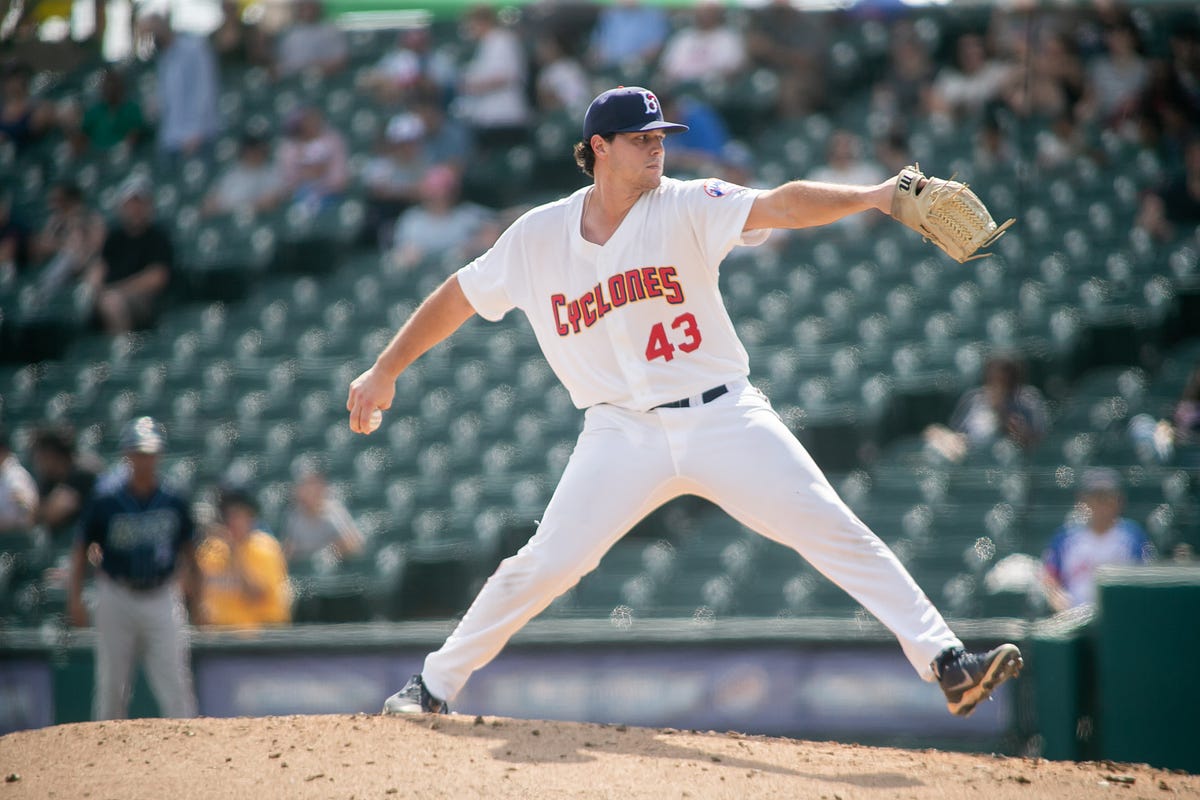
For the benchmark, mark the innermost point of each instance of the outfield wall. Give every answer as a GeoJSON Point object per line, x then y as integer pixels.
{"type": "Point", "coordinates": [816, 678]}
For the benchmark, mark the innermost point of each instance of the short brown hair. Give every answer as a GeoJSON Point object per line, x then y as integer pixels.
{"type": "Point", "coordinates": [585, 157]}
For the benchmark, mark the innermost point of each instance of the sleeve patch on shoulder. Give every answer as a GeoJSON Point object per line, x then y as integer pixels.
{"type": "Point", "coordinates": [714, 187]}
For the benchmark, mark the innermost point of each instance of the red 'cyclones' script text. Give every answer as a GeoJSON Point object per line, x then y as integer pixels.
{"type": "Point", "coordinates": [570, 316]}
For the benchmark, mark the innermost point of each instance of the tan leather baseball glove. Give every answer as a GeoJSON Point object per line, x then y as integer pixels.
{"type": "Point", "coordinates": [946, 213]}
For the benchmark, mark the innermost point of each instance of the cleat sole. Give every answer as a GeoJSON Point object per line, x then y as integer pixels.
{"type": "Point", "coordinates": [1007, 667]}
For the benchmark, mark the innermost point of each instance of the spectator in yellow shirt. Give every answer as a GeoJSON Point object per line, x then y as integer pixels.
{"type": "Point", "coordinates": [244, 571]}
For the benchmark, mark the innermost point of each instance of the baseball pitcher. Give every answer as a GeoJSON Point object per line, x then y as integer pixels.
{"type": "Point", "coordinates": [620, 284]}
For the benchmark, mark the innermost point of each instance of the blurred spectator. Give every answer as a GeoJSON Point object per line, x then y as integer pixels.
{"type": "Point", "coordinates": [846, 164]}
{"type": "Point", "coordinates": [69, 242]}
{"type": "Point", "coordinates": [318, 521]}
{"type": "Point", "coordinates": [700, 150]}
{"type": "Point", "coordinates": [14, 241]}
{"type": "Point", "coordinates": [907, 84]}
{"type": "Point", "coordinates": [18, 491]}
{"type": "Point", "coordinates": [441, 225]}
{"type": "Point", "coordinates": [628, 33]}
{"type": "Point", "coordinates": [562, 84]}
{"type": "Point", "coordinates": [993, 149]}
{"type": "Point", "coordinates": [23, 120]}
{"type": "Point", "coordinates": [892, 152]}
{"type": "Point", "coordinates": [1054, 84]}
{"type": "Point", "coordinates": [251, 184]}
{"type": "Point", "coordinates": [1187, 411]}
{"type": "Point", "coordinates": [447, 141]}
{"type": "Point", "coordinates": [1005, 407]}
{"type": "Point", "coordinates": [792, 44]}
{"type": "Point", "coordinates": [313, 160]}
{"type": "Point", "coordinates": [134, 270]}
{"type": "Point", "coordinates": [492, 96]}
{"type": "Point", "coordinates": [237, 42]}
{"type": "Point", "coordinates": [709, 48]}
{"type": "Point", "coordinates": [1177, 206]}
{"type": "Point", "coordinates": [311, 43]}
{"type": "Point", "coordinates": [65, 483]}
{"type": "Point", "coordinates": [243, 572]}
{"type": "Point", "coordinates": [393, 176]}
{"type": "Point", "coordinates": [187, 89]}
{"type": "Point", "coordinates": [1172, 100]}
{"type": "Point", "coordinates": [974, 81]}
{"type": "Point", "coordinates": [140, 536]}
{"type": "Point", "coordinates": [1101, 537]}
{"type": "Point", "coordinates": [113, 119]}
{"type": "Point", "coordinates": [1116, 78]}
{"type": "Point", "coordinates": [413, 68]}
{"type": "Point", "coordinates": [1060, 143]}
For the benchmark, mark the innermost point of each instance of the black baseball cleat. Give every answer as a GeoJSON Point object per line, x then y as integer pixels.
{"type": "Point", "coordinates": [967, 679]}
{"type": "Point", "coordinates": [414, 698]}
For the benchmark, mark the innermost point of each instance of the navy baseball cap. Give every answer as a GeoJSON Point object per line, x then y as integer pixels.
{"type": "Point", "coordinates": [143, 435]}
{"type": "Point", "coordinates": [626, 109]}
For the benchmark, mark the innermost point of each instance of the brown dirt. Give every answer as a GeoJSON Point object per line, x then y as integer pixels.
{"type": "Point", "coordinates": [466, 757]}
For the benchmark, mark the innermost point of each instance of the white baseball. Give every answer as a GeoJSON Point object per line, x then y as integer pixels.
{"type": "Point", "coordinates": [375, 421]}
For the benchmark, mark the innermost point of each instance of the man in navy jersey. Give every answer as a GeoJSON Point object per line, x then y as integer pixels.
{"type": "Point", "coordinates": [139, 534]}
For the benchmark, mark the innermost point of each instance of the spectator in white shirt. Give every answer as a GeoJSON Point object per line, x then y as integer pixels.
{"type": "Point", "coordinates": [975, 81]}
{"type": "Point", "coordinates": [252, 184]}
{"type": "Point", "coordinates": [845, 164]}
{"type": "Point", "coordinates": [413, 68]}
{"type": "Point", "coordinates": [18, 491]}
{"type": "Point", "coordinates": [562, 84]}
{"type": "Point", "coordinates": [709, 48]}
{"type": "Point", "coordinates": [1115, 80]}
{"type": "Point", "coordinates": [492, 87]}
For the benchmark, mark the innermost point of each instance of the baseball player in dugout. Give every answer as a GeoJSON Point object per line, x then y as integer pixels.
{"type": "Point", "coordinates": [139, 536]}
{"type": "Point", "coordinates": [619, 282]}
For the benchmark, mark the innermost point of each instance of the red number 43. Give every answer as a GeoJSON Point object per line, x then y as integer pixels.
{"type": "Point", "coordinates": [659, 346]}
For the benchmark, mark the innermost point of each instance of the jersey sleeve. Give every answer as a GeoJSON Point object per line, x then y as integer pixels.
{"type": "Point", "coordinates": [1140, 547]}
{"type": "Point", "coordinates": [1052, 559]}
{"type": "Point", "coordinates": [491, 282]}
{"type": "Point", "coordinates": [91, 523]}
{"type": "Point", "coordinates": [718, 211]}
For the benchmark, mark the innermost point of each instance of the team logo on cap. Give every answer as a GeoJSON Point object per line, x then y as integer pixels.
{"type": "Point", "coordinates": [651, 102]}
{"type": "Point", "coordinates": [714, 187]}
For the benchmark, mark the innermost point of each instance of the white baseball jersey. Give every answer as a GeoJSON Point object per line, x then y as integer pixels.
{"type": "Point", "coordinates": [638, 321]}
{"type": "Point", "coordinates": [1077, 551]}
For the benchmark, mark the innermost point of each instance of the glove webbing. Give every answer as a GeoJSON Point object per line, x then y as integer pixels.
{"type": "Point", "coordinates": [954, 212]}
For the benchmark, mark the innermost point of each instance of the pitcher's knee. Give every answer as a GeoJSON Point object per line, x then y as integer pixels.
{"type": "Point", "coordinates": [536, 571]}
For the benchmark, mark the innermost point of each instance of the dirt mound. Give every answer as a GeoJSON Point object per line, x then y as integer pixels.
{"type": "Point", "coordinates": [463, 757]}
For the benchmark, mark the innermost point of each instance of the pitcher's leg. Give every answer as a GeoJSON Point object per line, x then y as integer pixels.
{"type": "Point", "coordinates": [767, 481]}
{"type": "Point", "coordinates": [116, 645]}
{"type": "Point", "coordinates": [620, 471]}
{"type": "Point", "coordinates": [168, 662]}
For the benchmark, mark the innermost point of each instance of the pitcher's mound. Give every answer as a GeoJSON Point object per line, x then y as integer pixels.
{"type": "Point", "coordinates": [465, 757]}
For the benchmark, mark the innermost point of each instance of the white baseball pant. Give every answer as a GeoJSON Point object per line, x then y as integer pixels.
{"type": "Point", "coordinates": [150, 624]}
{"type": "Point", "coordinates": [734, 451]}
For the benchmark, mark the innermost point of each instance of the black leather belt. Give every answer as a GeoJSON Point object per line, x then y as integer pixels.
{"type": "Point", "coordinates": [705, 398]}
